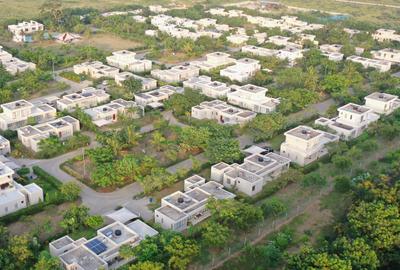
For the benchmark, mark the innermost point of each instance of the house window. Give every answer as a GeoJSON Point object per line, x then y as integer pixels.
{"type": "Point", "coordinates": [253, 188]}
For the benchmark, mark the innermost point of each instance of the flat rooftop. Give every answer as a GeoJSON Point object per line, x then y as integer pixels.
{"type": "Point", "coordinates": [381, 97]}
{"type": "Point", "coordinates": [180, 200]}
{"type": "Point", "coordinates": [19, 104]}
{"type": "Point", "coordinates": [354, 108]}
{"type": "Point", "coordinates": [216, 190]}
{"type": "Point", "coordinates": [82, 257]}
{"type": "Point", "coordinates": [304, 132]}
{"type": "Point", "coordinates": [171, 212]}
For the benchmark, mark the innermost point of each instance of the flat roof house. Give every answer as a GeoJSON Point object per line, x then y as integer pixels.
{"type": "Point", "coordinates": [352, 120]}
{"type": "Point", "coordinates": [259, 51]}
{"type": "Point", "coordinates": [96, 70]}
{"type": "Point", "coordinates": [237, 39]}
{"type": "Point", "coordinates": [180, 210]}
{"type": "Point", "coordinates": [14, 65]}
{"type": "Point", "coordinates": [242, 71]}
{"type": "Point", "coordinates": [253, 98]}
{"type": "Point", "coordinates": [5, 146]}
{"type": "Point", "coordinates": [147, 83]}
{"type": "Point", "coordinates": [386, 35]}
{"type": "Point", "coordinates": [292, 54]}
{"type": "Point", "coordinates": [382, 103]}
{"type": "Point", "coordinates": [63, 128]}
{"type": "Point", "coordinates": [304, 144]}
{"type": "Point", "coordinates": [222, 112]}
{"type": "Point", "coordinates": [176, 73]}
{"type": "Point", "coordinates": [126, 60]}
{"type": "Point", "coordinates": [250, 176]}
{"type": "Point", "coordinates": [86, 98]}
{"type": "Point", "coordinates": [108, 113]}
{"type": "Point", "coordinates": [21, 31]}
{"type": "Point", "coordinates": [279, 40]}
{"type": "Point", "coordinates": [155, 98]}
{"type": "Point", "coordinates": [388, 54]}
{"type": "Point", "coordinates": [101, 251]}
{"type": "Point", "coordinates": [213, 89]}
{"type": "Point", "coordinates": [17, 113]}
{"type": "Point", "coordinates": [14, 196]}
{"type": "Point", "coordinates": [380, 65]}
{"type": "Point", "coordinates": [213, 60]}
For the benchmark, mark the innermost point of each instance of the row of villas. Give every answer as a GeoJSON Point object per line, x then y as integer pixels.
{"type": "Point", "coordinates": [14, 65]}
{"type": "Point", "coordinates": [304, 144]}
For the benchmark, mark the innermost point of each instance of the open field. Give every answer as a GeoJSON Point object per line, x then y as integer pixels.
{"type": "Point", "coordinates": [360, 12]}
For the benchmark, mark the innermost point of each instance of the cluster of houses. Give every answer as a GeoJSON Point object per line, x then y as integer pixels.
{"type": "Point", "coordinates": [23, 31]}
{"type": "Point", "coordinates": [14, 65]}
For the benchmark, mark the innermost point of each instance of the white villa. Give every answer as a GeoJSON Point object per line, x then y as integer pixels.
{"type": "Point", "coordinates": [382, 103]}
{"type": "Point", "coordinates": [14, 65]}
{"type": "Point", "coordinates": [101, 251]}
{"type": "Point", "coordinates": [155, 98]}
{"type": "Point", "coordinates": [213, 89]}
{"type": "Point", "coordinates": [126, 60]}
{"type": "Point", "coordinates": [253, 98]}
{"type": "Point", "coordinates": [386, 35]}
{"type": "Point", "coordinates": [22, 31]}
{"type": "Point", "coordinates": [14, 196]}
{"type": "Point", "coordinates": [109, 113]}
{"type": "Point", "coordinates": [279, 40]}
{"type": "Point", "coordinates": [180, 210]}
{"type": "Point", "coordinates": [214, 60]}
{"type": "Point", "coordinates": [352, 120]}
{"type": "Point", "coordinates": [16, 114]}
{"type": "Point", "coordinates": [250, 176]}
{"type": "Point", "coordinates": [96, 70]}
{"type": "Point", "coordinates": [242, 71]}
{"type": "Point", "coordinates": [380, 65]}
{"type": "Point", "coordinates": [176, 73]}
{"type": "Point", "coordinates": [237, 39]}
{"type": "Point", "coordinates": [391, 55]}
{"type": "Point", "coordinates": [147, 83]}
{"type": "Point", "coordinates": [332, 51]}
{"type": "Point", "coordinates": [222, 112]}
{"type": "Point", "coordinates": [5, 146]}
{"type": "Point", "coordinates": [63, 128]}
{"type": "Point", "coordinates": [304, 144]}
{"type": "Point", "coordinates": [259, 51]}
{"type": "Point", "coordinates": [86, 98]}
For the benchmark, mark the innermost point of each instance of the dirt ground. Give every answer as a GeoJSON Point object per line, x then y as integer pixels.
{"type": "Point", "coordinates": [109, 42]}
{"type": "Point", "coordinates": [46, 223]}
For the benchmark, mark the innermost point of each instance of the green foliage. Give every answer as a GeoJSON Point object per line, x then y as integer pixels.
{"type": "Point", "coordinates": [47, 262]}
{"type": "Point", "coordinates": [133, 85]}
{"type": "Point", "coordinates": [181, 104]}
{"type": "Point", "coordinates": [94, 222]}
{"type": "Point", "coordinates": [147, 266]}
{"type": "Point", "coordinates": [265, 126]}
{"type": "Point", "coordinates": [273, 207]}
{"type": "Point", "coordinates": [341, 162]}
{"type": "Point", "coordinates": [74, 218]}
{"type": "Point", "coordinates": [70, 191]}
{"type": "Point", "coordinates": [314, 180]}
{"type": "Point", "coordinates": [342, 184]}
{"type": "Point", "coordinates": [223, 149]}
{"type": "Point", "coordinates": [215, 234]}
{"type": "Point", "coordinates": [53, 145]}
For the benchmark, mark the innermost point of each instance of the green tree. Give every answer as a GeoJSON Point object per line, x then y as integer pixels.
{"type": "Point", "coordinates": [94, 222]}
{"type": "Point", "coordinates": [20, 250]}
{"type": "Point", "coordinates": [47, 262]}
{"type": "Point", "coordinates": [147, 266]}
{"type": "Point", "coordinates": [314, 179]}
{"type": "Point", "coordinates": [182, 251]}
{"type": "Point", "coordinates": [50, 147]}
{"type": "Point", "coordinates": [342, 184]}
{"type": "Point", "coordinates": [215, 234]}
{"type": "Point", "coordinates": [126, 251]}
{"type": "Point", "coordinates": [223, 149]}
{"type": "Point", "coordinates": [133, 85]}
{"type": "Point", "coordinates": [265, 126]}
{"type": "Point", "coordinates": [273, 207]}
{"type": "Point", "coordinates": [158, 141]}
{"type": "Point", "coordinates": [341, 162]}
{"type": "Point", "coordinates": [74, 218]}
{"type": "Point", "coordinates": [70, 191]}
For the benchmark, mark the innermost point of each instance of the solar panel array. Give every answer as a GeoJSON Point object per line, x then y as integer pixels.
{"type": "Point", "coordinates": [96, 246]}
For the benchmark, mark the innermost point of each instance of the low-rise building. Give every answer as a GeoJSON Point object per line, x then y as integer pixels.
{"type": "Point", "coordinates": [22, 31]}
{"type": "Point", "coordinates": [213, 60]}
{"type": "Point", "coordinates": [101, 251]}
{"type": "Point", "coordinates": [18, 113]}
{"type": "Point", "coordinates": [250, 176]}
{"type": "Point", "coordinates": [334, 48]}
{"type": "Point", "coordinates": [259, 51]}
{"type": "Point", "coordinates": [352, 120]}
{"type": "Point", "coordinates": [180, 210]}
{"type": "Point", "coordinates": [222, 112]}
{"type": "Point", "coordinates": [5, 146]}
{"type": "Point", "coordinates": [109, 113]}
{"type": "Point", "coordinates": [291, 54]}
{"type": "Point", "coordinates": [14, 196]}
{"type": "Point", "coordinates": [155, 98]}
{"type": "Point", "coordinates": [279, 40]}
{"type": "Point", "coordinates": [14, 65]}
{"type": "Point", "coordinates": [304, 144]}
{"type": "Point", "coordinates": [386, 35]}
{"type": "Point", "coordinates": [380, 65]}
{"type": "Point", "coordinates": [126, 60]}
{"type": "Point", "coordinates": [86, 98]}
{"type": "Point", "coordinates": [176, 73]}
{"type": "Point", "coordinates": [253, 98]}
{"type": "Point", "coordinates": [147, 83]}
{"type": "Point", "coordinates": [391, 55]}
{"type": "Point", "coordinates": [213, 89]}
{"type": "Point", "coordinates": [237, 39]}
{"type": "Point", "coordinates": [242, 71]}
{"type": "Point", "coordinates": [96, 70]}
{"type": "Point", "coordinates": [63, 128]}
{"type": "Point", "coordinates": [382, 103]}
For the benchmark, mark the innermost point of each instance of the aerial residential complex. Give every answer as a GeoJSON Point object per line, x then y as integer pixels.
{"type": "Point", "coordinates": [180, 210]}
{"type": "Point", "coordinates": [176, 73]}
{"type": "Point", "coordinates": [101, 251]}
{"type": "Point", "coordinates": [380, 65]}
{"type": "Point", "coordinates": [212, 89]}
{"type": "Point", "coordinates": [242, 71]}
{"type": "Point", "coordinates": [304, 144]}
{"type": "Point", "coordinates": [222, 112]}
{"type": "Point", "coordinates": [155, 98]}
{"type": "Point", "coordinates": [391, 55]}
{"type": "Point", "coordinates": [63, 128]}
{"type": "Point", "coordinates": [250, 176]}
{"type": "Point", "coordinates": [14, 196]}
{"type": "Point", "coordinates": [96, 70]}
{"type": "Point", "coordinates": [86, 98]}
{"type": "Point", "coordinates": [109, 113]}
{"type": "Point", "coordinates": [147, 83]}
{"type": "Point", "coordinates": [126, 60]}
{"type": "Point", "coordinates": [22, 31]}
{"type": "Point", "coordinates": [14, 65]}
{"type": "Point", "coordinates": [18, 113]}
